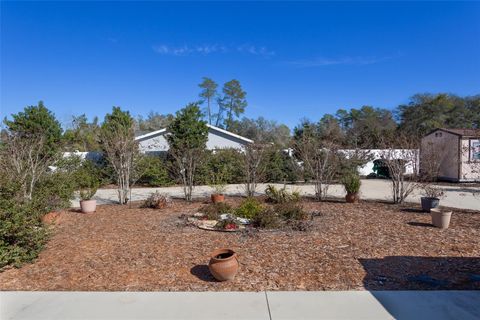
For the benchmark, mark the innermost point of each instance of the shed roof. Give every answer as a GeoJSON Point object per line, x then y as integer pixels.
{"type": "Point", "coordinates": [461, 132]}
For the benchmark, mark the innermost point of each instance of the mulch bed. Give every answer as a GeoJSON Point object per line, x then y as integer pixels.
{"type": "Point", "coordinates": [370, 245]}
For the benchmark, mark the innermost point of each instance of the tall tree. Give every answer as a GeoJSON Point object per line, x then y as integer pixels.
{"type": "Point", "coordinates": [82, 135]}
{"type": "Point", "coordinates": [208, 93]}
{"type": "Point", "coordinates": [233, 103]}
{"type": "Point", "coordinates": [187, 138]}
{"type": "Point", "coordinates": [426, 112]}
{"type": "Point", "coordinates": [120, 148]}
{"type": "Point", "coordinates": [154, 121]}
{"type": "Point", "coordinates": [37, 121]}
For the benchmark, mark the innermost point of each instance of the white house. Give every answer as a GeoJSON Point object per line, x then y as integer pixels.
{"type": "Point", "coordinates": [155, 142]}
{"type": "Point", "coordinates": [407, 155]}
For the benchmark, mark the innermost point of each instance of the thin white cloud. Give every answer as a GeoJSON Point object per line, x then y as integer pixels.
{"type": "Point", "coordinates": [207, 49]}
{"type": "Point", "coordinates": [324, 61]}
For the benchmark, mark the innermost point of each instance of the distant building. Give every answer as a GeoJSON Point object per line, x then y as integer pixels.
{"type": "Point", "coordinates": [457, 151]}
{"type": "Point", "coordinates": [155, 142]}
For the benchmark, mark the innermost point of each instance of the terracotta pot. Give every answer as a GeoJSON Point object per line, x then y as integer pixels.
{"type": "Point", "coordinates": [352, 197]}
{"type": "Point", "coordinates": [223, 264]}
{"type": "Point", "coordinates": [216, 198]}
{"type": "Point", "coordinates": [88, 206]}
{"type": "Point", "coordinates": [51, 217]}
{"type": "Point", "coordinates": [429, 203]}
{"type": "Point", "coordinates": [440, 219]}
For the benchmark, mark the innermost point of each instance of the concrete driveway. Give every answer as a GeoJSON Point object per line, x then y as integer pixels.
{"type": "Point", "coordinates": [372, 189]}
{"type": "Point", "coordinates": [426, 305]}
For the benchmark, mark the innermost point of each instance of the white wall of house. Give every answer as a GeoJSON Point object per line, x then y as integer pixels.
{"type": "Point", "coordinates": [376, 154]}
{"type": "Point", "coordinates": [155, 142]}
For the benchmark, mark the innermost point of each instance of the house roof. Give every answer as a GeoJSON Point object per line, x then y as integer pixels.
{"type": "Point", "coordinates": [459, 132]}
{"type": "Point", "coordinates": [210, 127]}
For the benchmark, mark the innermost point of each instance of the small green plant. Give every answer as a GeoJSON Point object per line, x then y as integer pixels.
{"type": "Point", "coordinates": [290, 211]}
{"type": "Point", "coordinates": [157, 200]}
{"type": "Point", "coordinates": [217, 181]}
{"type": "Point", "coordinates": [249, 208]}
{"type": "Point", "coordinates": [228, 224]}
{"type": "Point", "coordinates": [88, 180]}
{"type": "Point", "coordinates": [267, 219]}
{"type": "Point", "coordinates": [213, 211]}
{"type": "Point", "coordinates": [351, 182]}
{"type": "Point", "coordinates": [275, 195]}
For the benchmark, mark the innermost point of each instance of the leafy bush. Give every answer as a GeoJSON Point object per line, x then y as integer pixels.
{"type": "Point", "coordinates": [227, 161]}
{"type": "Point", "coordinates": [228, 224]}
{"type": "Point", "coordinates": [351, 182]}
{"type": "Point", "coordinates": [22, 235]}
{"type": "Point", "coordinates": [249, 208]}
{"type": "Point", "coordinates": [53, 193]}
{"type": "Point", "coordinates": [290, 211]}
{"type": "Point", "coordinates": [214, 210]}
{"type": "Point", "coordinates": [281, 195]}
{"type": "Point", "coordinates": [157, 200]}
{"type": "Point", "coordinates": [281, 167]}
{"type": "Point", "coordinates": [153, 171]}
{"type": "Point", "coordinates": [267, 219]}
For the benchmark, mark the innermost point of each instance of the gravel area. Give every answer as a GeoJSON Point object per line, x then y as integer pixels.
{"type": "Point", "coordinates": [370, 245]}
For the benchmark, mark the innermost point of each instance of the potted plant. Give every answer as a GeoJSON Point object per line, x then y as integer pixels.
{"type": "Point", "coordinates": [351, 182]}
{"type": "Point", "coordinates": [431, 198]}
{"type": "Point", "coordinates": [223, 264]}
{"type": "Point", "coordinates": [88, 184]}
{"type": "Point", "coordinates": [217, 183]}
{"type": "Point", "coordinates": [440, 218]}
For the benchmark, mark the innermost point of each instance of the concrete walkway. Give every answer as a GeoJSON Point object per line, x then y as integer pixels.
{"type": "Point", "coordinates": [372, 189]}
{"type": "Point", "coordinates": [424, 305]}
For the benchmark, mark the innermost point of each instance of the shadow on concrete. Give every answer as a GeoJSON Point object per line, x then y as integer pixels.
{"type": "Point", "coordinates": [202, 272]}
{"type": "Point", "coordinates": [422, 273]}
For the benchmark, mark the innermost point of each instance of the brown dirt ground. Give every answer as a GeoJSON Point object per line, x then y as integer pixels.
{"type": "Point", "coordinates": [373, 246]}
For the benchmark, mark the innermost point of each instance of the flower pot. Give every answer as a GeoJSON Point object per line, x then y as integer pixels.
{"type": "Point", "coordinates": [352, 197]}
{"type": "Point", "coordinates": [51, 217]}
{"type": "Point", "coordinates": [223, 264]}
{"type": "Point", "coordinates": [440, 219]}
{"type": "Point", "coordinates": [88, 206]}
{"type": "Point", "coordinates": [429, 203]}
{"type": "Point", "coordinates": [216, 198]}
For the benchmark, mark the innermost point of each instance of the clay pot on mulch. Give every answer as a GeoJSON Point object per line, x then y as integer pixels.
{"type": "Point", "coordinates": [223, 264]}
{"type": "Point", "coordinates": [352, 197]}
{"type": "Point", "coordinates": [440, 218]}
{"type": "Point", "coordinates": [216, 198]}
{"type": "Point", "coordinates": [51, 217]}
{"type": "Point", "coordinates": [88, 206]}
{"type": "Point", "coordinates": [429, 203]}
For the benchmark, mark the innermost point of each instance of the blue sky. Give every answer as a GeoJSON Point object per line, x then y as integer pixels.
{"type": "Point", "coordinates": [294, 60]}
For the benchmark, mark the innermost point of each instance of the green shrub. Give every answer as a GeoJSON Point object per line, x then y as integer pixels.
{"type": "Point", "coordinates": [290, 211]}
{"type": "Point", "coordinates": [267, 219]}
{"type": "Point", "coordinates": [275, 195]}
{"type": "Point", "coordinates": [281, 167]}
{"type": "Point", "coordinates": [249, 208]}
{"type": "Point", "coordinates": [22, 235]}
{"type": "Point", "coordinates": [351, 182]}
{"type": "Point", "coordinates": [214, 210]}
{"type": "Point", "coordinates": [228, 162]}
{"type": "Point", "coordinates": [153, 171]}
{"type": "Point", "coordinates": [53, 193]}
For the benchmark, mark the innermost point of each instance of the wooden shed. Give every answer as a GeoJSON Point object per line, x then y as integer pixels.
{"type": "Point", "coordinates": [457, 152]}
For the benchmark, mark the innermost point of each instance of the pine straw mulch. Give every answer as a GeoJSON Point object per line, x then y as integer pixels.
{"type": "Point", "coordinates": [373, 246]}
